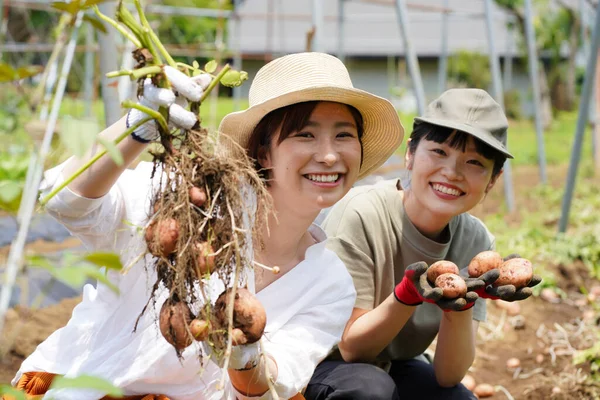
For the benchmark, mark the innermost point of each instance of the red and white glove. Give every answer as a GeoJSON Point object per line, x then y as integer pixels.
{"type": "Point", "coordinates": [414, 289]}
{"type": "Point", "coordinates": [183, 88]}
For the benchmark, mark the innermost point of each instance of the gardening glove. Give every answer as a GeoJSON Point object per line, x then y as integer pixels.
{"type": "Point", "coordinates": [414, 289]}
{"type": "Point", "coordinates": [183, 88]}
{"type": "Point", "coordinates": [508, 292]}
{"type": "Point", "coordinates": [245, 356]}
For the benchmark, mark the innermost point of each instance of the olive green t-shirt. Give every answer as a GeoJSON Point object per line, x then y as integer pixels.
{"type": "Point", "coordinates": [371, 233]}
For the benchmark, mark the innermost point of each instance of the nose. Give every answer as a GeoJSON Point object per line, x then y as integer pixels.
{"type": "Point", "coordinates": [327, 154]}
{"type": "Point", "coordinates": [452, 170]}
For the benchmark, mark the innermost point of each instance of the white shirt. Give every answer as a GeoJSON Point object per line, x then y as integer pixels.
{"type": "Point", "coordinates": [307, 308]}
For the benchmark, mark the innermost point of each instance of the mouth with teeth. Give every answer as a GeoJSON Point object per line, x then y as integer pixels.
{"type": "Point", "coordinates": [446, 191]}
{"type": "Point", "coordinates": [324, 179]}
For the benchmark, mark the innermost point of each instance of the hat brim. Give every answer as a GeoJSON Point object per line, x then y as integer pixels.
{"type": "Point", "coordinates": [383, 131]}
{"type": "Point", "coordinates": [480, 134]}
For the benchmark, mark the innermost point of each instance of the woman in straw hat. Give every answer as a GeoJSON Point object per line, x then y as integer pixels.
{"type": "Point", "coordinates": [388, 234]}
{"type": "Point", "coordinates": [313, 135]}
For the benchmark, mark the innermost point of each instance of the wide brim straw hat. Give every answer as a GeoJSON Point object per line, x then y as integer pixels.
{"type": "Point", "coordinates": [312, 76]}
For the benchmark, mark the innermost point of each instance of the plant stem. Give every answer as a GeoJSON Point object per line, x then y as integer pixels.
{"type": "Point", "coordinates": [146, 32]}
{"type": "Point", "coordinates": [81, 170]}
{"type": "Point", "coordinates": [136, 74]}
{"type": "Point", "coordinates": [214, 82]}
{"type": "Point", "coordinates": [118, 27]}
{"type": "Point", "coordinates": [153, 113]}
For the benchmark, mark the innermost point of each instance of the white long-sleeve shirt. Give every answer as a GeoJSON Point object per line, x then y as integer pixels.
{"type": "Point", "coordinates": [307, 308]}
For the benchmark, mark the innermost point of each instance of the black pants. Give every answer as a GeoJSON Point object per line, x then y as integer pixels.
{"type": "Point", "coordinates": [412, 379]}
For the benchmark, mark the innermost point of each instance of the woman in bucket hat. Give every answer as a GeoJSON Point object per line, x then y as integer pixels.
{"type": "Point", "coordinates": [387, 235]}
{"type": "Point", "coordinates": [312, 135]}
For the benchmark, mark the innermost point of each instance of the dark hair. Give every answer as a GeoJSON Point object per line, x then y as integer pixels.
{"type": "Point", "coordinates": [458, 140]}
{"type": "Point", "coordinates": [290, 118]}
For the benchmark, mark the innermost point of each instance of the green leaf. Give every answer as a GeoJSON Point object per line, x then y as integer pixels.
{"type": "Point", "coordinates": [108, 260]}
{"type": "Point", "coordinates": [87, 382]}
{"type": "Point", "coordinates": [91, 3]}
{"type": "Point", "coordinates": [112, 150]}
{"type": "Point", "coordinates": [195, 64]}
{"type": "Point", "coordinates": [210, 66]}
{"type": "Point", "coordinates": [95, 22]}
{"type": "Point", "coordinates": [29, 71]}
{"type": "Point", "coordinates": [11, 391]}
{"type": "Point", "coordinates": [7, 73]}
{"type": "Point", "coordinates": [78, 135]}
{"type": "Point", "coordinates": [10, 195]}
{"type": "Point", "coordinates": [95, 273]}
{"type": "Point", "coordinates": [71, 7]}
{"type": "Point", "coordinates": [234, 78]}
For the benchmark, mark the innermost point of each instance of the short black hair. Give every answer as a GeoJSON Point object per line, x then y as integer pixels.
{"type": "Point", "coordinates": [458, 140]}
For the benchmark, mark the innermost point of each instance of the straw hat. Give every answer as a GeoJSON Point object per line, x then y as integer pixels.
{"type": "Point", "coordinates": [301, 77]}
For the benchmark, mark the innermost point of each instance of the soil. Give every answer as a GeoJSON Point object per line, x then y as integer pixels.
{"type": "Point", "coordinates": [543, 334]}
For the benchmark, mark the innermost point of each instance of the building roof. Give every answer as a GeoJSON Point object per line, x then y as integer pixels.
{"type": "Point", "coordinates": [371, 27]}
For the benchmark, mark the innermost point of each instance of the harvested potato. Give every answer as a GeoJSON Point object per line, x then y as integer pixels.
{"type": "Point", "coordinates": [197, 196]}
{"type": "Point", "coordinates": [199, 329]}
{"type": "Point", "coordinates": [441, 267]}
{"type": "Point", "coordinates": [249, 316]}
{"type": "Point", "coordinates": [517, 271]}
{"type": "Point", "coordinates": [452, 285]}
{"type": "Point", "coordinates": [469, 382]}
{"type": "Point", "coordinates": [205, 261]}
{"type": "Point", "coordinates": [513, 363]}
{"type": "Point", "coordinates": [484, 262]}
{"type": "Point", "coordinates": [174, 319]}
{"type": "Point", "coordinates": [484, 390]}
{"type": "Point", "coordinates": [161, 237]}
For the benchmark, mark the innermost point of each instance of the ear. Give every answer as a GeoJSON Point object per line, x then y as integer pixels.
{"type": "Point", "coordinates": [493, 181]}
{"type": "Point", "coordinates": [408, 157]}
{"type": "Point", "coordinates": [264, 157]}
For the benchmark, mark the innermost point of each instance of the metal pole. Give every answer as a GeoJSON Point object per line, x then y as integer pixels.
{"type": "Point", "coordinates": [237, 56]}
{"type": "Point", "coordinates": [28, 203]}
{"type": "Point", "coordinates": [584, 108]}
{"type": "Point", "coordinates": [411, 56]}
{"type": "Point", "coordinates": [107, 44]}
{"type": "Point", "coordinates": [533, 75]}
{"type": "Point", "coordinates": [508, 58]}
{"type": "Point", "coordinates": [3, 27]}
{"type": "Point", "coordinates": [341, 31]}
{"type": "Point", "coordinates": [499, 96]}
{"type": "Point", "coordinates": [88, 87]}
{"type": "Point", "coordinates": [125, 86]}
{"type": "Point", "coordinates": [317, 22]}
{"type": "Point", "coordinates": [443, 63]}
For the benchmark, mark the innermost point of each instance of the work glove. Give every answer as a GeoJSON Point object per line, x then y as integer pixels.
{"type": "Point", "coordinates": [245, 356]}
{"type": "Point", "coordinates": [509, 292]}
{"type": "Point", "coordinates": [414, 289]}
{"type": "Point", "coordinates": [183, 88]}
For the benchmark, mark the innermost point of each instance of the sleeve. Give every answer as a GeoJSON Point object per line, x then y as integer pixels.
{"type": "Point", "coordinates": [352, 241]}
{"type": "Point", "coordinates": [96, 222]}
{"type": "Point", "coordinates": [307, 338]}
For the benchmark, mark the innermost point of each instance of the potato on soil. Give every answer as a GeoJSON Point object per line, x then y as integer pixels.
{"type": "Point", "coordinates": [469, 382]}
{"type": "Point", "coordinates": [441, 267]}
{"type": "Point", "coordinates": [249, 315]}
{"type": "Point", "coordinates": [484, 262]}
{"type": "Point", "coordinates": [175, 317]}
{"type": "Point", "coordinates": [517, 271]}
{"type": "Point", "coordinates": [205, 261]}
{"type": "Point", "coordinates": [484, 390]}
{"type": "Point", "coordinates": [452, 285]}
{"type": "Point", "coordinates": [161, 237]}
{"type": "Point", "coordinates": [199, 329]}
{"type": "Point", "coordinates": [197, 196]}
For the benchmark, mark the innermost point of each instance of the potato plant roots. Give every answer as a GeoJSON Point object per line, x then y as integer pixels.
{"type": "Point", "coordinates": [208, 206]}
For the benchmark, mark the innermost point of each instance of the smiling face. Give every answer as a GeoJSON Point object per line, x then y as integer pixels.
{"type": "Point", "coordinates": [446, 180]}
{"type": "Point", "coordinates": [314, 166]}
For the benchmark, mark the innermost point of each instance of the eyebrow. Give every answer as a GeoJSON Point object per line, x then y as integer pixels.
{"type": "Point", "coordinates": [341, 124]}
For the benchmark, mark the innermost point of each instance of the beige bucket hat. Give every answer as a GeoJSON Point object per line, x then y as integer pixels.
{"type": "Point", "coordinates": [472, 111]}
{"type": "Point", "coordinates": [301, 77]}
